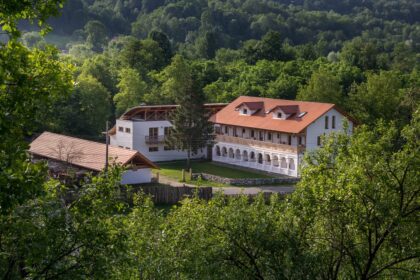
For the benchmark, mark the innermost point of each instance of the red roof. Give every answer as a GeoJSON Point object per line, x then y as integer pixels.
{"type": "Point", "coordinates": [84, 153]}
{"type": "Point", "coordinates": [264, 120]}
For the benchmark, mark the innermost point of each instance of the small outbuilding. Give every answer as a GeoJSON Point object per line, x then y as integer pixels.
{"type": "Point", "coordinates": [64, 152]}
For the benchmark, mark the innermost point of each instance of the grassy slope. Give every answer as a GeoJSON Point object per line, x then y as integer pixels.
{"type": "Point", "coordinates": [173, 170]}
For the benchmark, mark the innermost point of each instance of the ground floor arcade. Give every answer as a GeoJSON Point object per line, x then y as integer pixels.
{"type": "Point", "coordinates": [275, 161]}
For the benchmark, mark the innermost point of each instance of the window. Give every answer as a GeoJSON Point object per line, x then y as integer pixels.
{"type": "Point", "coordinates": [269, 136]}
{"type": "Point", "coordinates": [326, 122]}
{"type": "Point", "coordinates": [318, 140]}
{"type": "Point", "coordinates": [245, 111]}
{"type": "Point", "coordinates": [289, 139]}
{"type": "Point", "coordinates": [127, 130]}
{"type": "Point", "coordinates": [252, 133]}
{"type": "Point", "coordinates": [300, 140]}
{"type": "Point", "coordinates": [153, 132]}
{"type": "Point", "coordinates": [243, 131]}
{"type": "Point", "coordinates": [226, 130]}
{"type": "Point", "coordinates": [167, 131]}
{"type": "Point", "coordinates": [333, 122]}
{"type": "Point", "coordinates": [167, 148]}
{"type": "Point", "coordinates": [121, 129]}
{"type": "Point", "coordinates": [153, 149]}
{"type": "Point", "coordinates": [302, 114]}
{"type": "Point", "coordinates": [279, 115]}
{"type": "Point", "coordinates": [234, 132]}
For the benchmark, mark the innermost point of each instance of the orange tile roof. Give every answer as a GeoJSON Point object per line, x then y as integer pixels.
{"type": "Point", "coordinates": [84, 153]}
{"type": "Point", "coordinates": [264, 120]}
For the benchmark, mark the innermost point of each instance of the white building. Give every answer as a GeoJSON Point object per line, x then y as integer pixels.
{"type": "Point", "coordinates": [144, 128]}
{"type": "Point", "coordinates": [273, 134]}
{"type": "Point", "coordinates": [65, 154]}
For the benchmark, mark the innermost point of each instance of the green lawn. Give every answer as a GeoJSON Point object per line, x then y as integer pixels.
{"type": "Point", "coordinates": [173, 170]}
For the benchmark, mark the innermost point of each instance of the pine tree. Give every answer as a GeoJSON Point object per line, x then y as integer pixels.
{"type": "Point", "coordinates": [191, 128]}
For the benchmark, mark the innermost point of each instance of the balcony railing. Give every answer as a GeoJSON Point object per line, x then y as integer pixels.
{"type": "Point", "coordinates": [259, 144]}
{"type": "Point", "coordinates": [154, 140]}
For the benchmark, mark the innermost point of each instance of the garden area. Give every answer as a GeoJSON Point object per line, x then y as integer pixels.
{"type": "Point", "coordinates": [173, 170]}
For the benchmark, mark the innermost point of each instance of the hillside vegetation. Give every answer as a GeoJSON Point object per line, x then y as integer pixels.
{"type": "Point", "coordinates": [361, 55]}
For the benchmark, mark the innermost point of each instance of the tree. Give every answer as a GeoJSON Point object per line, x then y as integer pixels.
{"type": "Point", "coordinates": [96, 34]}
{"type": "Point", "coordinates": [358, 203]}
{"type": "Point", "coordinates": [191, 128]}
{"type": "Point", "coordinates": [85, 111]}
{"type": "Point", "coordinates": [143, 55]}
{"type": "Point", "coordinates": [164, 43]}
{"type": "Point", "coordinates": [322, 87]}
{"type": "Point", "coordinates": [207, 45]}
{"type": "Point", "coordinates": [131, 90]}
{"type": "Point", "coordinates": [378, 98]}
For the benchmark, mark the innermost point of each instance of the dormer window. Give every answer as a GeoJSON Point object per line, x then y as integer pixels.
{"type": "Point", "coordinates": [280, 115]}
{"type": "Point", "coordinates": [245, 111]}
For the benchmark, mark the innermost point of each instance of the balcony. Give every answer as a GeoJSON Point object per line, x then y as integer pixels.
{"type": "Point", "coordinates": [260, 144]}
{"type": "Point", "coordinates": [154, 140]}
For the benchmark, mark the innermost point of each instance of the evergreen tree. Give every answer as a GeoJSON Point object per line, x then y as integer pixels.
{"type": "Point", "coordinates": [191, 128]}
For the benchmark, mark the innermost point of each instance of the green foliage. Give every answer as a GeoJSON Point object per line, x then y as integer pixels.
{"type": "Point", "coordinates": [85, 111]}
{"type": "Point", "coordinates": [52, 237]}
{"type": "Point", "coordinates": [96, 35]}
{"type": "Point", "coordinates": [322, 87]}
{"type": "Point", "coordinates": [143, 55]}
{"type": "Point", "coordinates": [29, 83]}
{"type": "Point", "coordinates": [131, 90]}
{"type": "Point", "coordinates": [11, 11]}
{"type": "Point", "coordinates": [361, 195]}
{"type": "Point", "coordinates": [380, 97]}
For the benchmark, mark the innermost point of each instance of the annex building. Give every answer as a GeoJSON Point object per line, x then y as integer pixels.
{"type": "Point", "coordinates": [145, 129]}
{"type": "Point", "coordinates": [66, 154]}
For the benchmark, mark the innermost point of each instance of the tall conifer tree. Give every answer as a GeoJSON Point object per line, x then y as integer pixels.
{"type": "Point", "coordinates": [191, 129]}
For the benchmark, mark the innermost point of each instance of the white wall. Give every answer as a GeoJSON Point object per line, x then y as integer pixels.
{"type": "Point", "coordinates": [122, 139]}
{"type": "Point", "coordinates": [137, 140]}
{"type": "Point", "coordinates": [317, 128]}
{"type": "Point", "coordinates": [143, 175]}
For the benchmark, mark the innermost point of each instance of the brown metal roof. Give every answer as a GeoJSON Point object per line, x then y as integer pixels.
{"type": "Point", "coordinates": [84, 153]}
{"type": "Point", "coordinates": [263, 120]}
{"type": "Point", "coordinates": [130, 113]}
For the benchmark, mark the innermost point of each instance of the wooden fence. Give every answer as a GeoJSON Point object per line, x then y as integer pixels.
{"type": "Point", "coordinates": [170, 195]}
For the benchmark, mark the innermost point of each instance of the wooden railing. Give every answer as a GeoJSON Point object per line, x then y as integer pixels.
{"type": "Point", "coordinates": [259, 144]}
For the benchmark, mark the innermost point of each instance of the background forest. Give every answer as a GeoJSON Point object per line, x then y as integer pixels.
{"type": "Point", "coordinates": [361, 55]}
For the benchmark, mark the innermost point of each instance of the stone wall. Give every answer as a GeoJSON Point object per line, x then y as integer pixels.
{"type": "Point", "coordinates": [244, 181]}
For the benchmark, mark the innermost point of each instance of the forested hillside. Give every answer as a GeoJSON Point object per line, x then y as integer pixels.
{"type": "Point", "coordinates": [353, 215]}
{"type": "Point", "coordinates": [361, 55]}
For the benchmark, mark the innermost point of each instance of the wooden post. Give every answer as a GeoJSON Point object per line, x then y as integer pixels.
{"type": "Point", "coordinates": [190, 171]}
{"type": "Point", "coordinates": [183, 175]}
{"type": "Point", "coordinates": [107, 147]}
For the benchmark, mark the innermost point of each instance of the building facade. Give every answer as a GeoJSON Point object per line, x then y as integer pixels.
{"type": "Point", "coordinates": [145, 128]}
{"type": "Point", "coordinates": [272, 134]}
